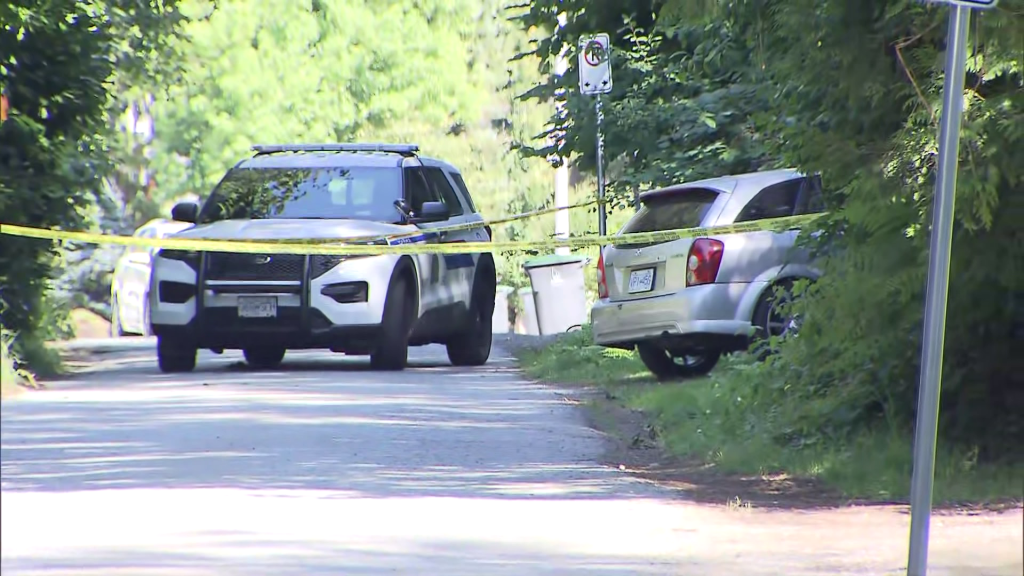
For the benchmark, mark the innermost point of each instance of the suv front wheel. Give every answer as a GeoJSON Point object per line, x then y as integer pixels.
{"type": "Point", "coordinates": [392, 351]}
{"type": "Point", "coordinates": [473, 347]}
{"type": "Point", "coordinates": [175, 356]}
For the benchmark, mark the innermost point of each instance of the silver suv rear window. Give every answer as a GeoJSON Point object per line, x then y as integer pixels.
{"type": "Point", "coordinates": [672, 211]}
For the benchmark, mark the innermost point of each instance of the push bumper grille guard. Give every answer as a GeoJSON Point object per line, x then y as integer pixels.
{"type": "Point", "coordinates": [201, 287]}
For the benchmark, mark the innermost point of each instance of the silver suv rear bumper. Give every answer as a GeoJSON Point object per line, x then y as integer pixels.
{"type": "Point", "coordinates": [699, 315]}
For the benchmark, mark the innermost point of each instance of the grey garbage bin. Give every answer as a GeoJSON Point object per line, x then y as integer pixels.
{"type": "Point", "coordinates": [499, 320]}
{"type": "Point", "coordinates": [527, 319]}
{"type": "Point", "coordinates": [559, 292]}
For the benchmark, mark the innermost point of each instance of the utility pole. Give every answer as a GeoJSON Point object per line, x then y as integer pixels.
{"type": "Point", "coordinates": [562, 171]}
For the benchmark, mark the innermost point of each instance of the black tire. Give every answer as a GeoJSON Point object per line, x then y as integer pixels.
{"type": "Point", "coordinates": [264, 356]}
{"type": "Point", "coordinates": [767, 321]}
{"type": "Point", "coordinates": [174, 356]}
{"type": "Point", "coordinates": [392, 351]}
{"type": "Point", "coordinates": [665, 366]}
{"type": "Point", "coordinates": [473, 348]}
{"type": "Point", "coordinates": [116, 331]}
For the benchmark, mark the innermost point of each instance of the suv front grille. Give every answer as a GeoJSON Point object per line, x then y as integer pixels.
{"type": "Point", "coordinates": [254, 267]}
{"type": "Point", "coordinates": [321, 264]}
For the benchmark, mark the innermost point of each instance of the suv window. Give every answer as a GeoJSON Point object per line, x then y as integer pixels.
{"type": "Point", "coordinates": [418, 190]}
{"type": "Point", "coordinates": [672, 211]}
{"type": "Point", "coordinates": [361, 193]}
{"type": "Point", "coordinates": [775, 201]}
{"type": "Point", "coordinates": [461, 184]}
{"type": "Point", "coordinates": [811, 200]}
{"type": "Point", "coordinates": [444, 190]}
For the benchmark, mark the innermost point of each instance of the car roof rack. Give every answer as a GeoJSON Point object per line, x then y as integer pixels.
{"type": "Point", "coordinates": [407, 150]}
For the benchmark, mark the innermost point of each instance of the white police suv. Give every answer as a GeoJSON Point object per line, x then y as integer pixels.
{"type": "Point", "coordinates": [376, 305]}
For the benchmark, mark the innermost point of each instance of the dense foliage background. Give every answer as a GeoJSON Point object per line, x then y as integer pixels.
{"type": "Point", "coordinates": [850, 89]}
{"type": "Point", "coordinates": [67, 65]}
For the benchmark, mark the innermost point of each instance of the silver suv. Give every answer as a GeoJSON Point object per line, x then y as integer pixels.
{"type": "Point", "coordinates": [376, 305]}
{"type": "Point", "coordinates": [682, 304]}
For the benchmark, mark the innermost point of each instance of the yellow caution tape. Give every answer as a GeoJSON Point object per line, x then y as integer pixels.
{"type": "Point", "coordinates": [403, 244]}
{"type": "Point", "coordinates": [492, 223]}
{"type": "Point", "coordinates": [437, 230]}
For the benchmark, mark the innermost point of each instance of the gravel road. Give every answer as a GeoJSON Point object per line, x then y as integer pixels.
{"type": "Point", "coordinates": [325, 467]}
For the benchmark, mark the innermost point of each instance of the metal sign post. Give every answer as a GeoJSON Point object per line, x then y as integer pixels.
{"type": "Point", "coordinates": [940, 245]}
{"type": "Point", "coordinates": [602, 213]}
{"type": "Point", "coordinates": [596, 79]}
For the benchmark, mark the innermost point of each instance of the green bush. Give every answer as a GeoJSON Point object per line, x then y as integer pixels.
{"type": "Point", "coordinates": [12, 372]}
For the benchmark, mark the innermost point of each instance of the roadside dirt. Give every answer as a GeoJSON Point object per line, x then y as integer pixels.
{"type": "Point", "coordinates": [88, 324]}
{"type": "Point", "coordinates": [633, 445]}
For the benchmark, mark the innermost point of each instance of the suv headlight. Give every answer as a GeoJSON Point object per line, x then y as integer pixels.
{"type": "Point", "coordinates": [187, 256]}
{"type": "Point", "coordinates": [340, 257]}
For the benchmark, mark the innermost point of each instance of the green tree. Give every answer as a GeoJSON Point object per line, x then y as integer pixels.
{"type": "Point", "coordinates": [63, 61]}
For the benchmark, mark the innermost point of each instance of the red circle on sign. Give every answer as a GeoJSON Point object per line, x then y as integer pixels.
{"type": "Point", "coordinates": [592, 52]}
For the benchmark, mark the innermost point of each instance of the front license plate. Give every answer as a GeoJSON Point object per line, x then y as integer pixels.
{"type": "Point", "coordinates": [641, 280]}
{"type": "Point", "coordinates": [257, 307]}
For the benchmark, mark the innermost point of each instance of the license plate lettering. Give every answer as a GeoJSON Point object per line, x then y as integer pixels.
{"type": "Point", "coordinates": [257, 307]}
{"type": "Point", "coordinates": [641, 280]}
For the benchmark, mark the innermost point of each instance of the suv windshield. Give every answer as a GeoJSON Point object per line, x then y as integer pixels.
{"type": "Point", "coordinates": [362, 193]}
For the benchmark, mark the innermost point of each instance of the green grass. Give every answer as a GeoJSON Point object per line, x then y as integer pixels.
{"type": "Point", "coordinates": [17, 373]}
{"type": "Point", "coordinates": [719, 420]}
{"type": "Point", "coordinates": [11, 378]}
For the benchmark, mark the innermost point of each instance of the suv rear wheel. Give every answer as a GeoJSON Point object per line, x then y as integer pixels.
{"type": "Point", "coordinates": [667, 366]}
{"type": "Point", "coordinates": [473, 347]}
{"type": "Point", "coordinates": [392, 351]}
{"type": "Point", "coordinates": [769, 320]}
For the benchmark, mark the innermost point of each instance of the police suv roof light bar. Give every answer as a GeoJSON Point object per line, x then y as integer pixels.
{"type": "Point", "coordinates": [403, 149]}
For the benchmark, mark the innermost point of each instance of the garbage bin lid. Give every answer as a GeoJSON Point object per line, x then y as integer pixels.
{"type": "Point", "coordinates": [553, 260]}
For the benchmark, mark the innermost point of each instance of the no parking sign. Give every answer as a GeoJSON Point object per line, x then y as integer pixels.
{"type": "Point", "coordinates": [595, 65]}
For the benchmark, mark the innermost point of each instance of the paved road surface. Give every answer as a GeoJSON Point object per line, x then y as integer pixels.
{"type": "Point", "coordinates": [324, 467]}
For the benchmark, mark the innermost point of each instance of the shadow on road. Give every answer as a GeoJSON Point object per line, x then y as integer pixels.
{"type": "Point", "coordinates": [319, 422]}
{"type": "Point", "coordinates": [451, 558]}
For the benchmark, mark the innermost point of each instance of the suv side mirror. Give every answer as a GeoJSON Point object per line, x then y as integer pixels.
{"type": "Point", "coordinates": [185, 212]}
{"type": "Point", "coordinates": [432, 212]}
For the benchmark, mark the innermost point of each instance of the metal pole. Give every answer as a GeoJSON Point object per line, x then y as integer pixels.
{"type": "Point", "coordinates": [562, 220]}
{"type": "Point", "coordinates": [602, 214]}
{"type": "Point", "coordinates": [937, 289]}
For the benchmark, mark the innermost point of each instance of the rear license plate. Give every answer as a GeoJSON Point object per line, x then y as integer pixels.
{"type": "Point", "coordinates": [257, 307]}
{"type": "Point", "coordinates": [641, 280]}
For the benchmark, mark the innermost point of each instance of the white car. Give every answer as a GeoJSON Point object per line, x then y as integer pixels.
{"type": "Point", "coordinates": [376, 305]}
{"type": "Point", "coordinates": [129, 286]}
